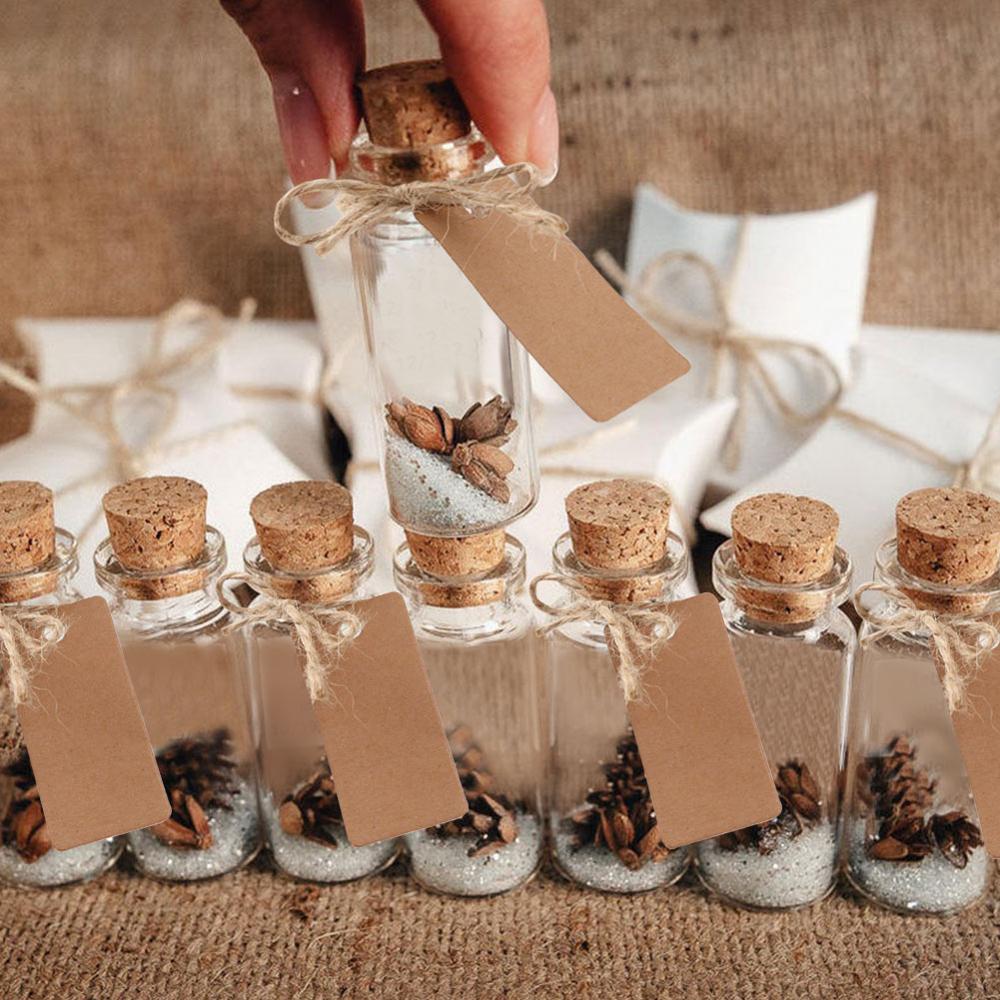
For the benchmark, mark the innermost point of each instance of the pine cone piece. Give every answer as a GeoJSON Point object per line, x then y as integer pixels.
{"type": "Point", "coordinates": [492, 816]}
{"type": "Point", "coordinates": [198, 775]}
{"type": "Point", "coordinates": [901, 796]}
{"type": "Point", "coordinates": [23, 826]}
{"type": "Point", "coordinates": [313, 810]}
{"type": "Point", "coordinates": [620, 816]}
{"type": "Point", "coordinates": [801, 808]}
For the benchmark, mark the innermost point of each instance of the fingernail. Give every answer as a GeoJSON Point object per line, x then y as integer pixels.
{"type": "Point", "coordinates": [300, 126]}
{"type": "Point", "coordinates": [543, 137]}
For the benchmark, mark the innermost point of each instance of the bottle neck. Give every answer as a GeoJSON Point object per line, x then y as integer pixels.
{"type": "Point", "coordinates": [475, 608]}
{"type": "Point", "coordinates": [50, 583]}
{"type": "Point", "coordinates": [459, 158]}
{"type": "Point", "coordinates": [754, 605]}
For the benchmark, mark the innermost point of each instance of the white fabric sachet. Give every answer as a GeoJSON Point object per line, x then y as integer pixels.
{"type": "Point", "coordinates": [797, 276]}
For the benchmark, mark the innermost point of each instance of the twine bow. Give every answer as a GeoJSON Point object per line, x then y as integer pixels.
{"type": "Point", "coordinates": [726, 337]}
{"type": "Point", "coordinates": [958, 643]}
{"type": "Point", "coordinates": [636, 632]}
{"type": "Point", "coordinates": [363, 204]}
{"type": "Point", "coordinates": [26, 636]}
{"type": "Point", "coordinates": [98, 406]}
{"type": "Point", "coordinates": [322, 633]}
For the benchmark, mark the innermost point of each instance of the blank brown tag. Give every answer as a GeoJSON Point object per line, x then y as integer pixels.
{"type": "Point", "coordinates": [704, 761]}
{"type": "Point", "coordinates": [571, 321]}
{"type": "Point", "coordinates": [978, 730]}
{"type": "Point", "coordinates": [384, 740]}
{"type": "Point", "coordinates": [95, 769]}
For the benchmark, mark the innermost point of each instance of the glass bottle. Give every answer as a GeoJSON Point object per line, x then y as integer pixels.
{"type": "Point", "coordinates": [912, 837]}
{"type": "Point", "coordinates": [159, 568]}
{"type": "Point", "coordinates": [302, 818]}
{"type": "Point", "coordinates": [601, 818]}
{"type": "Point", "coordinates": [782, 581]}
{"type": "Point", "coordinates": [476, 639]}
{"type": "Point", "coordinates": [27, 857]}
{"type": "Point", "coordinates": [450, 384]}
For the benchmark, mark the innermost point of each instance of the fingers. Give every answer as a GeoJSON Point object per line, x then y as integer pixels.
{"type": "Point", "coordinates": [497, 51]}
{"type": "Point", "coordinates": [312, 51]}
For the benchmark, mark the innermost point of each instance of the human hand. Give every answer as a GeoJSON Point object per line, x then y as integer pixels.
{"type": "Point", "coordinates": [497, 52]}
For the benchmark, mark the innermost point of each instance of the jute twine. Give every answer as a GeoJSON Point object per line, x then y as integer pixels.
{"type": "Point", "coordinates": [747, 350]}
{"type": "Point", "coordinates": [27, 635]}
{"type": "Point", "coordinates": [322, 634]}
{"type": "Point", "coordinates": [636, 632]}
{"type": "Point", "coordinates": [958, 643]}
{"type": "Point", "coordinates": [364, 204]}
{"type": "Point", "coordinates": [98, 406]}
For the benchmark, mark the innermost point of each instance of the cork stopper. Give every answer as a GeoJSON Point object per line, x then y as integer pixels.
{"type": "Point", "coordinates": [455, 558]}
{"type": "Point", "coordinates": [157, 522]}
{"type": "Point", "coordinates": [948, 536]}
{"type": "Point", "coordinates": [27, 526]}
{"type": "Point", "coordinates": [412, 104]}
{"type": "Point", "coordinates": [785, 539]}
{"type": "Point", "coordinates": [619, 523]}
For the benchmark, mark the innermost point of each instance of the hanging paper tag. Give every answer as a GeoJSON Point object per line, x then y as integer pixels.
{"type": "Point", "coordinates": [703, 758]}
{"type": "Point", "coordinates": [571, 321]}
{"type": "Point", "coordinates": [977, 728]}
{"type": "Point", "coordinates": [387, 749]}
{"type": "Point", "coordinates": [89, 750]}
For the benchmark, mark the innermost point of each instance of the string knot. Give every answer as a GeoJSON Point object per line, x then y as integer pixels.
{"type": "Point", "coordinates": [635, 632]}
{"type": "Point", "coordinates": [958, 643]}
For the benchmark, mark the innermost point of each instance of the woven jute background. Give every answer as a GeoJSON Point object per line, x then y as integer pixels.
{"type": "Point", "coordinates": [257, 937]}
{"type": "Point", "coordinates": [139, 164]}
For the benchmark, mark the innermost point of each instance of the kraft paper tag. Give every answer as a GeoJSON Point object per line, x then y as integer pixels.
{"type": "Point", "coordinates": [386, 746]}
{"type": "Point", "coordinates": [703, 758]}
{"type": "Point", "coordinates": [977, 728]}
{"type": "Point", "coordinates": [96, 773]}
{"type": "Point", "coordinates": [571, 321]}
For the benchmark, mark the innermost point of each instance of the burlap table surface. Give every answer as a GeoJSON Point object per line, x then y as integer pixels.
{"type": "Point", "coordinates": [139, 164]}
{"type": "Point", "coordinates": [253, 935]}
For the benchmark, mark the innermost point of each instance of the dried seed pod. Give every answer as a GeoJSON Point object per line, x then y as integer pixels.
{"type": "Point", "coordinates": [490, 421]}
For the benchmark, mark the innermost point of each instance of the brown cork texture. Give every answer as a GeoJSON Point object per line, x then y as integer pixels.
{"type": "Point", "coordinates": [412, 104]}
{"type": "Point", "coordinates": [948, 536]}
{"type": "Point", "coordinates": [619, 523]}
{"type": "Point", "coordinates": [27, 526]}
{"type": "Point", "coordinates": [157, 522]}
{"type": "Point", "coordinates": [325, 588]}
{"type": "Point", "coordinates": [782, 538]}
{"type": "Point", "coordinates": [454, 558]}
{"type": "Point", "coordinates": [463, 595]}
{"type": "Point", "coordinates": [304, 526]}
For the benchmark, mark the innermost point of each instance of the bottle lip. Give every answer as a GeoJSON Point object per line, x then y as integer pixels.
{"type": "Point", "coordinates": [829, 591]}
{"type": "Point", "coordinates": [670, 570]}
{"type": "Point", "coordinates": [112, 575]}
{"type": "Point", "coordinates": [889, 570]}
{"type": "Point", "coordinates": [510, 571]}
{"type": "Point", "coordinates": [446, 160]}
{"type": "Point", "coordinates": [39, 580]}
{"type": "Point", "coordinates": [357, 567]}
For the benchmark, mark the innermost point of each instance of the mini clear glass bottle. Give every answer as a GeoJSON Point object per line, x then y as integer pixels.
{"type": "Point", "coordinates": [194, 696]}
{"type": "Point", "coordinates": [912, 838]}
{"type": "Point", "coordinates": [450, 384]}
{"type": "Point", "coordinates": [302, 819]}
{"type": "Point", "coordinates": [26, 856]}
{"type": "Point", "coordinates": [476, 639]}
{"type": "Point", "coordinates": [595, 770]}
{"type": "Point", "coordinates": [795, 649]}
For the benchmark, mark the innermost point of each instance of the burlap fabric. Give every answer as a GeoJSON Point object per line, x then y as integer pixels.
{"type": "Point", "coordinates": [253, 936]}
{"type": "Point", "coordinates": [139, 164]}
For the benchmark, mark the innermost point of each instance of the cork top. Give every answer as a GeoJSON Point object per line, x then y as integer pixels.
{"type": "Point", "coordinates": [304, 526]}
{"type": "Point", "coordinates": [619, 523]}
{"type": "Point", "coordinates": [157, 522]}
{"type": "Point", "coordinates": [782, 538]}
{"type": "Point", "coordinates": [456, 558]}
{"type": "Point", "coordinates": [27, 526]}
{"type": "Point", "coordinates": [948, 536]}
{"type": "Point", "coordinates": [412, 104]}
